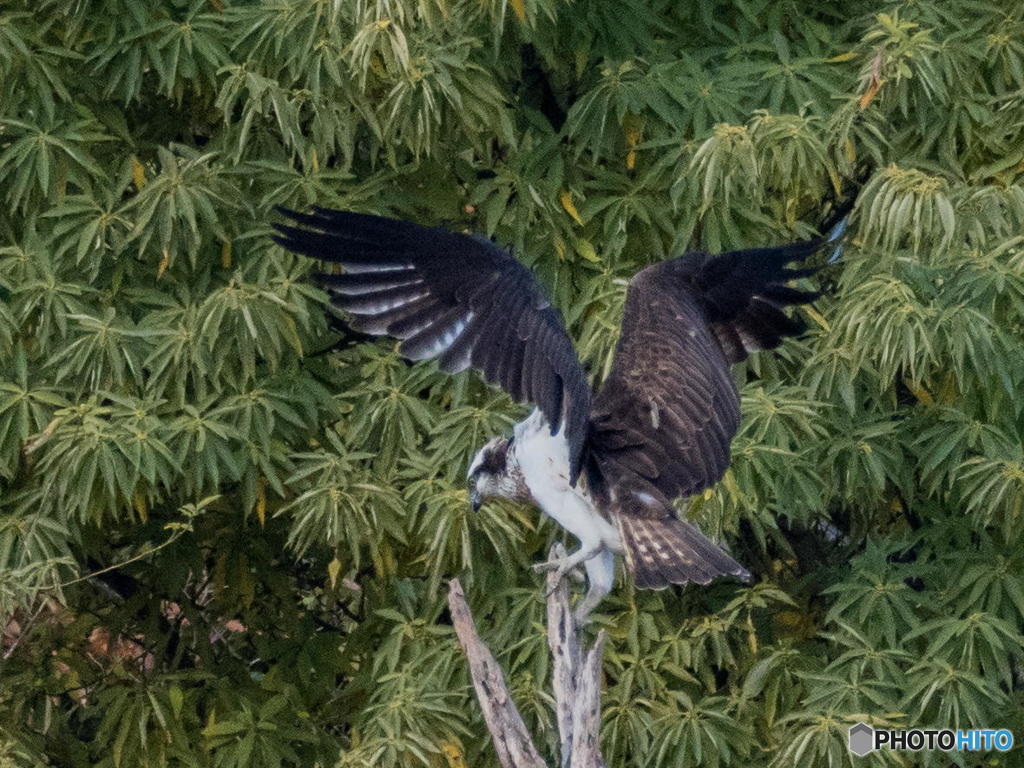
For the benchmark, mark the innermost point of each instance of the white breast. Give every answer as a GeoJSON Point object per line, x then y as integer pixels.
{"type": "Point", "coordinates": [544, 461]}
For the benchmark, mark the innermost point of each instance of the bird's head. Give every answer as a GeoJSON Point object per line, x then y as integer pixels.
{"type": "Point", "coordinates": [494, 472]}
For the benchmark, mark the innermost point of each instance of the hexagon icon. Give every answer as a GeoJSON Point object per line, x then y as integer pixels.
{"type": "Point", "coordinates": [862, 739]}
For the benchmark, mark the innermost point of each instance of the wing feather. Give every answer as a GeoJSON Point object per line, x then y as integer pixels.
{"type": "Point", "coordinates": [664, 419]}
{"type": "Point", "coordinates": [454, 297]}
{"type": "Point", "coordinates": [669, 409]}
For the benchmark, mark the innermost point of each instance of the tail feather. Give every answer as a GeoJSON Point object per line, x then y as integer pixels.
{"type": "Point", "coordinates": [666, 550]}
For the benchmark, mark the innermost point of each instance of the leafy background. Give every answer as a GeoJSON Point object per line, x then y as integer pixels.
{"type": "Point", "coordinates": [222, 546]}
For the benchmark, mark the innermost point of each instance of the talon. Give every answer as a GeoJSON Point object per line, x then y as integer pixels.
{"type": "Point", "coordinates": [561, 573]}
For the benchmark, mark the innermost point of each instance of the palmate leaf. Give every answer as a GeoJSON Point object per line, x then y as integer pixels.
{"type": "Point", "coordinates": [940, 693]}
{"type": "Point", "coordinates": [627, 728]}
{"type": "Point", "coordinates": [596, 120]}
{"type": "Point", "coordinates": [271, 418]}
{"type": "Point", "coordinates": [728, 165]}
{"type": "Point", "coordinates": [105, 455]}
{"type": "Point", "coordinates": [702, 732]}
{"type": "Point", "coordinates": [439, 85]}
{"type": "Point", "coordinates": [759, 477]}
{"type": "Point", "coordinates": [296, 188]}
{"type": "Point", "coordinates": [797, 161]}
{"type": "Point", "coordinates": [908, 205]}
{"type": "Point", "coordinates": [261, 98]}
{"type": "Point", "coordinates": [851, 693]}
{"type": "Point", "coordinates": [412, 641]}
{"type": "Point", "coordinates": [286, 408]}
{"type": "Point", "coordinates": [820, 738]}
{"type": "Point", "coordinates": [890, 324]}
{"type": "Point", "coordinates": [627, 205]}
{"type": "Point", "coordinates": [866, 658]}
{"type": "Point", "coordinates": [833, 374]}
{"type": "Point", "coordinates": [25, 409]}
{"type": "Point", "coordinates": [461, 431]}
{"type": "Point", "coordinates": [862, 460]}
{"type": "Point", "coordinates": [781, 416]}
{"type": "Point", "coordinates": [31, 70]}
{"type": "Point", "coordinates": [178, 363]}
{"type": "Point", "coordinates": [88, 230]}
{"type": "Point", "coordinates": [1005, 52]}
{"type": "Point", "coordinates": [414, 719]}
{"type": "Point", "coordinates": [281, 36]}
{"type": "Point", "coordinates": [992, 582]}
{"type": "Point", "coordinates": [876, 598]}
{"type": "Point", "coordinates": [205, 444]}
{"type": "Point", "coordinates": [994, 279]}
{"type": "Point", "coordinates": [35, 554]}
{"type": "Point", "coordinates": [653, 670]}
{"type": "Point", "coordinates": [43, 296]}
{"type": "Point", "coordinates": [527, 656]}
{"type": "Point", "coordinates": [263, 737]}
{"type": "Point", "coordinates": [793, 81]}
{"type": "Point", "coordinates": [103, 352]}
{"type": "Point", "coordinates": [253, 321]}
{"type": "Point", "coordinates": [183, 48]}
{"type": "Point", "coordinates": [947, 438]}
{"type": "Point", "coordinates": [390, 419]}
{"type": "Point", "coordinates": [992, 488]}
{"type": "Point", "coordinates": [725, 638]}
{"type": "Point", "coordinates": [905, 58]}
{"type": "Point", "coordinates": [186, 192]}
{"type": "Point", "coordinates": [138, 721]}
{"type": "Point", "coordinates": [41, 160]}
{"type": "Point", "coordinates": [706, 95]}
{"type": "Point", "coordinates": [521, 192]}
{"type": "Point", "coordinates": [340, 505]}
{"type": "Point", "coordinates": [978, 642]}
{"type": "Point", "coordinates": [598, 329]}
{"type": "Point", "coordinates": [775, 683]}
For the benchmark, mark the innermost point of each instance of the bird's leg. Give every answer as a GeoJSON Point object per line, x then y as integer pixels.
{"type": "Point", "coordinates": [564, 565]}
{"type": "Point", "coordinates": [600, 575]}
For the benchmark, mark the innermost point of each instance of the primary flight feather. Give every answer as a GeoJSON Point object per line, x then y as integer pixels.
{"type": "Point", "coordinates": [606, 466]}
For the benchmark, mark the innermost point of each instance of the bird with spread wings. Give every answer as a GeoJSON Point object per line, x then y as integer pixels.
{"type": "Point", "coordinates": [606, 465]}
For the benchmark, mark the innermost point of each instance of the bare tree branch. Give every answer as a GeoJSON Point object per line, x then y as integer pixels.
{"type": "Point", "coordinates": [508, 731]}
{"type": "Point", "coordinates": [565, 654]}
{"type": "Point", "coordinates": [585, 750]}
{"type": "Point", "coordinates": [576, 680]}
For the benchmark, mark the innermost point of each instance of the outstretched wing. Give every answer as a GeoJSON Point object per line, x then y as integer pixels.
{"type": "Point", "coordinates": [669, 408]}
{"type": "Point", "coordinates": [663, 420]}
{"type": "Point", "coordinates": [454, 297]}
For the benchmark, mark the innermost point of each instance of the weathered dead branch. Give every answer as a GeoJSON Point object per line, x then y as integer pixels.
{"type": "Point", "coordinates": [576, 680]}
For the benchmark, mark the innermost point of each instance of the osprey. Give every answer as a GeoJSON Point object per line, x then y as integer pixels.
{"type": "Point", "coordinates": [606, 465]}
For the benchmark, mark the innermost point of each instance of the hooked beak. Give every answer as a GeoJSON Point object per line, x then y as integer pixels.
{"type": "Point", "coordinates": [475, 500]}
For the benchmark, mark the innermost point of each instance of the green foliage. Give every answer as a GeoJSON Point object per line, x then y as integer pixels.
{"type": "Point", "coordinates": [221, 545]}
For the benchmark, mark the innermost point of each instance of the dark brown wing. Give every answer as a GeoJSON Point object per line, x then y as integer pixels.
{"type": "Point", "coordinates": [669, 408]}
{"type": "Point", "coordinates": [454, 297]}
{"type": "Point", "coordinates": [663, 420]}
